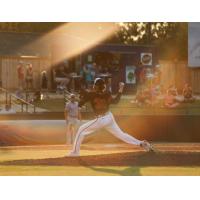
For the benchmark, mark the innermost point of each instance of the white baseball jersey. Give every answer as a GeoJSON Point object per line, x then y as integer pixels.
{"type": "Point", "coordinates": [72, 109]}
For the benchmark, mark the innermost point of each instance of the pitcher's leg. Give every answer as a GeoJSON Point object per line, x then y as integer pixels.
{"type": "Point", "coordinates": [116, 131]}
{"type": "Point", "coordinates": [84, 130]}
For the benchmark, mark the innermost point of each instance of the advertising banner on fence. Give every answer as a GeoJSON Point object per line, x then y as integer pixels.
{"type": "Point", "coordinates": [130, 75]}
{"type": "Point", "coordinates": [146, 59]}
{"type": "Point", "coordinates": [194, 44]}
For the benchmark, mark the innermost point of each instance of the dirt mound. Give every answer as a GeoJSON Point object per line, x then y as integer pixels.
{"type": "Point", "coordinates": [118, 159]}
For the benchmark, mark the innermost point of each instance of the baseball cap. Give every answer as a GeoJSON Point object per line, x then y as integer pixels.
{"type": "Point", "coordinates": [72, 96]}
{"type": "Point", "coordinates": [99, 81]}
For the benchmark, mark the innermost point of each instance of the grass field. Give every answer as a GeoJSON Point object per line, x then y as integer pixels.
{"type": "Point", "coordinates": [97, 171]}
{"type": "Point", "coordinates": [125, 107]}
{"type": "Point", "coordinates": [101, 160]}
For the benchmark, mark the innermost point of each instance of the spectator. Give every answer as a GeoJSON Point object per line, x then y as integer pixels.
{"type": "Point", "coordinates": [139, 99]}
{"type": "Point", "coordinates": [83, 78]}
{"type": "Point", "coordinates": [157, 74]}
{"type": "Point", "coordinates": [98, 70]}
{"type": "Point", "coordinates": [157, 94]}
{"type": "Point", "coordinates": [44, 81]}
{"type": "Point", "coordinates": [147, 96]}
{"type": "Point", "coordinates": [88, 76]}
{"type": "Point", "coordinates": [93, 71]}
{"type": "Point", "coordinates": [173, 90]}
{"type": "Point", "coordinates": [171, 100]}
{"type": "Point", "coordinates": [20, 74]}
{"type": "Point", "coordinates": [29, 76]}
{"type": "Point", "coordinates": [19, 95]}
{"type": "Point", "coordinates": [62, 78]}
{"type": "Point", "coordinates": [188, 94]}
{"type": "Point", "coordinates": [36, 96]}
{"type": "Point", "coordinates": [143, 97]}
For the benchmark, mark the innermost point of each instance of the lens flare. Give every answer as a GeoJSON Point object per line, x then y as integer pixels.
{"type": "Point", "coordinates": [73, 38]}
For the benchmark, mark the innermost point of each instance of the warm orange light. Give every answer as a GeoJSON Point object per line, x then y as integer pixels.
{"type": "Point", "coordinates": [76, 37]}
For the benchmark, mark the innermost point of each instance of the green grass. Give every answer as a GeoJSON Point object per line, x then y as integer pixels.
{"type": "Point", "coordinates": [124, 107]}
{"type": "Point", "coordinates": [53, 105]}
{"type": "Point", "coordinates": [97, 171]}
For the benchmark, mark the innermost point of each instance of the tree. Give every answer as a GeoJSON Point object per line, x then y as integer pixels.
{"type": "Point", "coordinates": [169, 38]}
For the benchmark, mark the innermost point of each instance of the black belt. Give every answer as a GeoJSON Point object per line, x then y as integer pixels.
{"type": "Point", "coordinates": [73, 116]}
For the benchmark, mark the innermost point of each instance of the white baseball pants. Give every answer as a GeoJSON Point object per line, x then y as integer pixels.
{"type": "Point", "coordinates": [72, 127]}
{"type": "Point", "coordinates": [108, 122]}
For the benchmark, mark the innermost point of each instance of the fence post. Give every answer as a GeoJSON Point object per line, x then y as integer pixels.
{"type": "Point", "coordinates": [22, 109]}
{"type": "Point", "coordinates": [6, 97]}
{"type": "Point", "coordinates": [26, 101]}
{"type": "Point", "coordinates": [10, 102]}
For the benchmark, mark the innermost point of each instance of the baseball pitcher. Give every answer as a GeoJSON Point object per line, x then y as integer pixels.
{"type": "Point", "coordinates": [100, 100]}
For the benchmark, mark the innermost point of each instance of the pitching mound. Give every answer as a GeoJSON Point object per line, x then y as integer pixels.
{"type": "Point", "coordinates": [119, 159]}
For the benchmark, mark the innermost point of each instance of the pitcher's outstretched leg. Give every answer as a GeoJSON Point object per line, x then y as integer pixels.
{"type": "Point", "coordinates": [84, 130]}
{"type": "Point", "coordinates": [116, 131]}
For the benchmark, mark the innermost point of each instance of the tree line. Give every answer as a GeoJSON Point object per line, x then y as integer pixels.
{"type": "Point", "coordinates": [170, 38]}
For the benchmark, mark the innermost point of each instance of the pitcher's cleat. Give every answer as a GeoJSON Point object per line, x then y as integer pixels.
{"type": "Point", "coordinates": [153, 149]}
{"type": "Point", "coordinates": [147, 146]}
{"type": "Point", "coordinates": [73, 154]}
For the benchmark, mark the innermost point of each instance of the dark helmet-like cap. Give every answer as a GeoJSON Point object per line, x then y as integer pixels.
{"type": "Point", "coordinates": [99, 82]}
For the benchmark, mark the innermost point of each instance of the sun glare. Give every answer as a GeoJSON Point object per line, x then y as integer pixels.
{"type": "Point", "coordinates": [75, 38]}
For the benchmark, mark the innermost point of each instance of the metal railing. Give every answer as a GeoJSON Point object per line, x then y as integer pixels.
{"type": "Point", "coordinates": [66, 95]}
{"type": "Point", "coordinates": [9, 97]}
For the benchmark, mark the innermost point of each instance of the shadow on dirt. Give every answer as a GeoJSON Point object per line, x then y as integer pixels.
{"type": "Point", "coordinates": [117, 159]}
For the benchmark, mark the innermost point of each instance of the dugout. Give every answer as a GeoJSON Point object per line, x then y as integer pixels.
{"type": "Point", "coordinates": [122, 61]}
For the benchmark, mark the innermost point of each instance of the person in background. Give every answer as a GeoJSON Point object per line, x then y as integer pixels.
{"type": "Point", "coordinates": [158, 74]}
{"type": "Point", "coordinates": [36, 97]}
{"type": "Point", "coordinates": [62, 78]}
{"type": "Point", "coordinates": [20, 75]}
{"type": "Point", "coordinates": [83, 78]}
{"type": "Point", "coordinates": [98, 70]}
{"type": "Point", "coordinates": [171, 100]}
{"type": "Point", "coordinates": [173, 90]}
{"type": "Point", "coordinates": [44, 83]}
{"type": "Point", "coordinates": [29, 76]}
{"type": "Point", "coordinates": [93, 71]}
{"type": "Point", "coordinates": [188, 94]}
{"type": "Point", "coordinates": [139, 98]}
{"type": "Point", "coordinates": [88, 76]}
{"type": "Point", "coordinates": [143, 97]}
{"type": "Point", "coordinates": [147, 96]}
{"type": "Point", "coordinates": [72, 117]}
{"type": "Point", "coordinates": [19, 94]}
